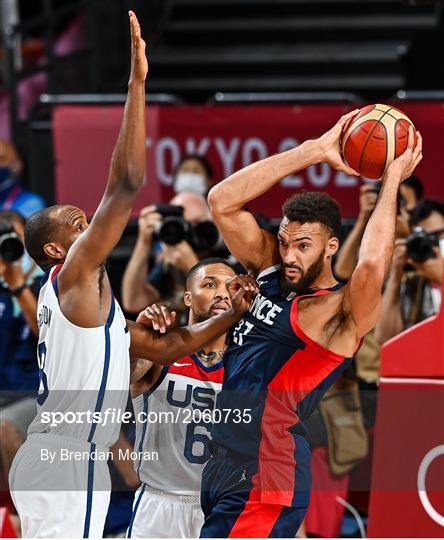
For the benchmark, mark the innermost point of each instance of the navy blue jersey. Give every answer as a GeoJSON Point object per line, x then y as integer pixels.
{"type": "Point", "coordinates": [276, 375]}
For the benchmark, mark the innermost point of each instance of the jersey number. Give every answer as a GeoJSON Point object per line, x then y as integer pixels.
{"type": "Point", "coordinates": [241, 330]}
{"type": "Point", "coordinates": [197, 444]}
{"type": "Point", "coordinates": [43, 384]}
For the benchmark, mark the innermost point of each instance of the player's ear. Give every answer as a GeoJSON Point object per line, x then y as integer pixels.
{"type": "Point", "coordinates": [332, 246]}
{"type": "Point", "coordinates": [54, 251]}
{"type": "Point", "coordinates": [187, 298]}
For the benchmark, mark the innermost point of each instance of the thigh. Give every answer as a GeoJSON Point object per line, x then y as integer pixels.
{"type": "Point", "coordinates": [157, 517]}
{"type": "Point", "coordinates": [61, 514]}
{"type": "Point", "coordinates": [152, 517]}
{"type": "Point", "coordinates": [253, 520]}
{"type": "Point", "coordinates": [48, 510]}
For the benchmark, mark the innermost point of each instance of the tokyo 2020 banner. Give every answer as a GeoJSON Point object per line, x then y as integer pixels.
{"type": "Point", "coordinates": [231, 137]}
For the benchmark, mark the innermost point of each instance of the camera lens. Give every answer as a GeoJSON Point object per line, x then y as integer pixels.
{"type": "Point", "coordinates": [172, 231]}
{"type": "Point", "coordinates": [11, 249]}
{"type": "Point", "coordinates": [205, 236]}
{"type": "Point", "coordinates": [420, 245]}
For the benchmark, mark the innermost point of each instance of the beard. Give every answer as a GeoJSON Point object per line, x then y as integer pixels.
{"type": "Point", "coordinates": [306, 278]}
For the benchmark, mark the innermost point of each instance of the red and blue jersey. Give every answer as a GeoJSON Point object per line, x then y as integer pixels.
{"type": "Point", "coordinates": [277, 376]}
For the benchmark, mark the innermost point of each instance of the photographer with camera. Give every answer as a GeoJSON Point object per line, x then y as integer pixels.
{"type": "Point", "coordinates": [180, 234]}
{"type": "Point", "coordinates": [410, 193]}
{"type": "Point", "coordinates": [19, 286]}
{"type": "Point", "coordinates": [412, 290]}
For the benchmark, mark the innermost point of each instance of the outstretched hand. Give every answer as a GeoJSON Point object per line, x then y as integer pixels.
{"type": "Point", "coordinates": [139, 62]}
{"type": "Point", "coordinates": [330, 147]}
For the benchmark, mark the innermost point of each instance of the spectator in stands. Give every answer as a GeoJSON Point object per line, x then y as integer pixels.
{"type": "Point", "coordinates": [193, 174]}
{"type": "Point", "coordinates": [166, 279]}
{"type": "Point", "coordinates": [19, 285]}
{"type": "Point", "coordinates": [12, 195]}
{"type": "Point", "coordinates": [411, 191]}
{"type": "Point", "coordinates": [413, 291]}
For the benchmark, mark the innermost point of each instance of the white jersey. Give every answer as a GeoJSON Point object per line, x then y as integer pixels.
{"type": "Point", "coordinates": [173, 418]}
{"type": "Point", "coordinates": [83, 371]}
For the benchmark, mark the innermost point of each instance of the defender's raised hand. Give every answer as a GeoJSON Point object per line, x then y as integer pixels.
{"type": "Point", "coordinates": [139, 62]}
{"type": "Point", "coordinates": [241, 289]}
{"type": "Point", "coordinates": [160, 318]}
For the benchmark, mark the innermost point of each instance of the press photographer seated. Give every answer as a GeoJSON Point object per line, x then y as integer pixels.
{"type": "Point", "coordinates": [177, 235]}
{"type": "Point", "coordinates": [413, 290]}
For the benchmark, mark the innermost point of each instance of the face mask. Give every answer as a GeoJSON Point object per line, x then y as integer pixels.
{"type": "Point", "coordinates": [5, 174]}
{"type": "Point", "coordinates": [191, 183]}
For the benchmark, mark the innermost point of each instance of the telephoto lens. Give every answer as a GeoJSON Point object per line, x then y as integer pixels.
{"type": "Point", "coordinates": [11, 247]}
{"type": "Point", "coordinates": [173, 228]}
{"type": "Point", "coordinates": [420, 245]}
{"type": "Point", "coordinates": [204, 236]}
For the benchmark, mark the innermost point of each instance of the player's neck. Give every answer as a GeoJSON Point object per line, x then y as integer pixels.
{"type": "Point", "coordinates": [325, 280]}
{"type": "Point", "coordinates": [213, 352]}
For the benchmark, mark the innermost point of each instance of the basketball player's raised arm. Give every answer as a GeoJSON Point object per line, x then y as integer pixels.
{"type": "Point", "coordinates": [363, 293]}
{"type": "Point", "coordinates": [253, 247]}
{"type": "Point", "coordinates": [126, 171]}
{"type": "Point", "coordinates": [167, 348]}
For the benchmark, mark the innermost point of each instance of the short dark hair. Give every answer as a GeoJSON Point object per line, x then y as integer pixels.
{"type": "Point", "coordinates": [40, 229]}
{"type": "Point", "coordinates": [11, 216]}
{"type": "Point", "coordinates": [201, 159]}
{"type": "Point", "coordinates": [314, 206]}
{"type": "Point", "coordinates": [206, 262]}
{"type": "Point", "coordinates": [415, 184]}
{"type": "Point", "coordinates": [425, 208]}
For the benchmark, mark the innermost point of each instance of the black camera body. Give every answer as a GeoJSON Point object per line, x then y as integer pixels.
{"type": "Point", "coordinates": [420, 245]}
{"type": "Point", "coordinates": [11, 247]}
{"type": "Point", "coordinates": [173, 229]}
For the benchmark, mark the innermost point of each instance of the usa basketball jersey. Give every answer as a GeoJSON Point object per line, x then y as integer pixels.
{"type": "Point", "coordinates": [277, 375]}
{"type": "Point", "coordinates": [173, 418]}
{"type": "Point", "coordinates": [81, 370]}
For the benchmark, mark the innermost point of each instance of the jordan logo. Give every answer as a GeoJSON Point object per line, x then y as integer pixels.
{"type": "Point", "coordinates": [243, 477]}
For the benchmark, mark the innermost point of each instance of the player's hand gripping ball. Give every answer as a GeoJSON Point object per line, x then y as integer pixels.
{"type": "Point", "coordinates": [373, 138]}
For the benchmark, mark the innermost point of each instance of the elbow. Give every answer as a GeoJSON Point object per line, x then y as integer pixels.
{"type": "Point", "coordinates": [133, 181]}
{"type": "Point", "coordinates": [217, 201]}
{"type": "Point", "coordinates": [130, 303]}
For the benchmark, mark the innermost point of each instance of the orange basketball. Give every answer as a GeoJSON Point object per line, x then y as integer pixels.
{"type": "Point", "coordinates": [373, 138]}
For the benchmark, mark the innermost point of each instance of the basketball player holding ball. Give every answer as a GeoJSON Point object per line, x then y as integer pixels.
{"type": "Point", "coordinates": [300, 333]}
